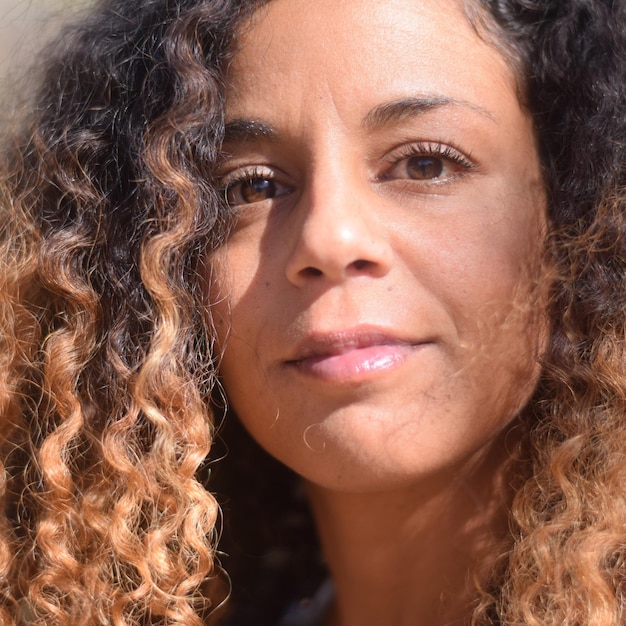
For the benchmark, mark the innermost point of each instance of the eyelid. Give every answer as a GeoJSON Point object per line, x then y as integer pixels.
{"type": "Point", "coordinates": [241, 176]}
{"type": "Point", "coordinates": [444, 150]}
{"type": "Point", "coordinates": [244, 172]}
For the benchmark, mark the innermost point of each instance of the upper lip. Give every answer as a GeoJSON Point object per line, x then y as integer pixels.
{"type": "Point", "coordinates": [337, 342]}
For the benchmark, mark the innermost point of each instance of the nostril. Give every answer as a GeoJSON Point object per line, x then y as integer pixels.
{"type": "Point", "coordinates": [312, 272]}
{"type": "Point", "coordinates": [317, 257]}
{"type": "Point", "coordinates": [360, 265]}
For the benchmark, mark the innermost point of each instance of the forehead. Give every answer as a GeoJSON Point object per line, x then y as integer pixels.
{"type": "Point", "coordinates": [361, 51]}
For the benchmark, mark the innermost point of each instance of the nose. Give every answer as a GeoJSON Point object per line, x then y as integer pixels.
{"type": "Point", "coordinates": [340, 234]}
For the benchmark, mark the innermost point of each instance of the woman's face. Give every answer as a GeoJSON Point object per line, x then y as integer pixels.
{"type": "Point", "coordinates": [376, 301]}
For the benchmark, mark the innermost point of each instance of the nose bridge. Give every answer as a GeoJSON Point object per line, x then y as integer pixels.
{"type": "Point", "coordinates": [339, 233]}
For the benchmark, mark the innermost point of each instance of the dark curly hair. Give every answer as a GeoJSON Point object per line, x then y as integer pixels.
{"type": "Point", "coordinates": [109, 394]}
{"type": "Point", "coordinates": [107, 214]}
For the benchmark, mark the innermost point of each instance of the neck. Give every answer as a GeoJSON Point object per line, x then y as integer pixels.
{"type": "Point", "coordinates": [411, 556]}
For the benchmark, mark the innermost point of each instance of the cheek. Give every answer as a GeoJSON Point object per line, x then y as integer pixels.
{"type": "Point", "coordinates": [477, 278]}
{"type": "Point", "coordinates": [491, 275]}
{"type": "Point", "coordinates": [493, 252]}
{"type": "Point", "coordinates": [239, 300]}
{"type": "Point", "coordinates": [217, 289]}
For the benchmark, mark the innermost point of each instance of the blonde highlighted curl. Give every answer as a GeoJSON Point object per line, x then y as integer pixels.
{"type": "Point", "coordinates": [106, 366]}
{"type": "Point", "coordinates": [108, 380]}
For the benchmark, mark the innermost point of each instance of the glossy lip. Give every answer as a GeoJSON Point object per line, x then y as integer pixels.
{"type": "Point", "coordinates": [351, 355]}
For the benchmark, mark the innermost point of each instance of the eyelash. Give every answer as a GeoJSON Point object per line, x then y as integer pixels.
{"type": "Point", "coordinates": [445, 152]}
{"type": "Point", "coordinates": [231, 181]}
{"type": "Point", "coordinates": [241, 176]}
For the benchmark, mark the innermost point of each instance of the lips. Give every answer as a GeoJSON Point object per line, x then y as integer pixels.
{"type": "Point", "coordinates": [351, 356]}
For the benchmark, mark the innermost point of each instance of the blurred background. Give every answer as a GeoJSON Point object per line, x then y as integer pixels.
{"type": "Point", "coordinates": [25, 26]}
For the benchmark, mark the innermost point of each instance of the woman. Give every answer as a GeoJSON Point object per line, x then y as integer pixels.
{"type": "Point", "coordinates": [408, 270]}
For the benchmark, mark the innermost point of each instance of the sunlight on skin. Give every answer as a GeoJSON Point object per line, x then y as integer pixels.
{"type": "Point", "coordinates": [381, 290]}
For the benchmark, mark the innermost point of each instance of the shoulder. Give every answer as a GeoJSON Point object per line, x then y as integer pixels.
{"type": "Point", "coordinates": [311, 611]}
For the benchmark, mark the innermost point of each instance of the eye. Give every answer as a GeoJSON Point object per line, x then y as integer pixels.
{"type": "Point", "coordinates": [428, 162]}
{"type": "Point", "coordinates": [244, 187]}
{"type": "Point", "coordinates": [421, 167]}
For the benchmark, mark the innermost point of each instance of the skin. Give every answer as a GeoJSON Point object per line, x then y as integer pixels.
{"type": "Point", "coordinates": [379, 301]}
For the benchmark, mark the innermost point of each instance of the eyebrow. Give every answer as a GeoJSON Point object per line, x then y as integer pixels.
{"type": "Point", "coordinates": [241, 130]}
{"type": "Point", "coordinates": [396, 111]}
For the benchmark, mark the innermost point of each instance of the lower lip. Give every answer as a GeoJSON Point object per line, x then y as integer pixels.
{"type": "Point", "coordinates": [355, 365]}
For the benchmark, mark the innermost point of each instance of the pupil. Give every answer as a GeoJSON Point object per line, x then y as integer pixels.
{"type": "Point", "coordinates": [258, 189]}
{"type": "Point", "coordinates": [424, 167]}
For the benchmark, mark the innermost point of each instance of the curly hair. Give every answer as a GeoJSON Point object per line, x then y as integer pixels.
{"type": "Point", "coordinates": [107, 215]}
{"type": "Point", "coordinates": [109, 393]}
{"type": "Point", "coordinates": [567, 563]}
